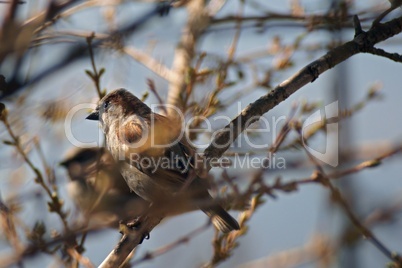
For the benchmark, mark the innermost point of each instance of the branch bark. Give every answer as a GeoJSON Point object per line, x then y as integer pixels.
{"type": "Point", "coordinates": [129, 241]}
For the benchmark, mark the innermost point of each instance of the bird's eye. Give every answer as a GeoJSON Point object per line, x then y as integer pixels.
{"type": "Point", "coordinates": [106, 105]}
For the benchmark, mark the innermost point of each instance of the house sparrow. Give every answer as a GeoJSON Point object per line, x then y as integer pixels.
{"type": "Point", "coordinates": [97, 188]}
{"type": "Point", "coordinates": [154, 159]}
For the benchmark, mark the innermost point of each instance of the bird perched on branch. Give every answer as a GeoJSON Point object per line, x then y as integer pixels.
{"type": "Point", "coordinates": [155, 160]}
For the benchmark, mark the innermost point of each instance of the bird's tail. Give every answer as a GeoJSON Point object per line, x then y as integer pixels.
{"type": "Point", "coordinates": [221, 219]}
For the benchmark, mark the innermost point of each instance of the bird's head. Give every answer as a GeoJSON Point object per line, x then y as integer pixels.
{"type": "Point", "coordinates": [116, 106]}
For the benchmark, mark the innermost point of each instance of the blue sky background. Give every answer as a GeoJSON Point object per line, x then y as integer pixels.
{"type": "Point", "coordinates": [286, 222]}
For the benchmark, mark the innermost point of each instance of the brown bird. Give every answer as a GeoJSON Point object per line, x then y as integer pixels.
{"type": "Point", "coordinates": [97, 188]}
{"type": "Point", "coordinates": [156, 162]}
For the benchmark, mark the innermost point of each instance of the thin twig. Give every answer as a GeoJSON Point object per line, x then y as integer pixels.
{"type": "Point", "coordinates": [95, 75]}
{"type": "Point", "coordinates": [236, 37]}
{"type": "Point", "coordinates": [150, 63]}
{"type": "Point", "coordinates": [152, 88]}
{"type": "Point", "coordinates": [363, 229]}
{"type": "Point", "coordinates": [39, 177]}
{"type": "Point", "coordinates": [320, 176]}
{"type": "Point", "coordinates": [80, 259]}
{"type": "Point", "coordinates": [382, 53]}
{"type": "Point", "coordinates": [49, 172]}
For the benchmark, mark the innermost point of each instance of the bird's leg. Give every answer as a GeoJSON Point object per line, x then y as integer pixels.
{"type": "Point", "coordinates": [133, 225]}
{"type": "Point", "coordinates": [127, 226]}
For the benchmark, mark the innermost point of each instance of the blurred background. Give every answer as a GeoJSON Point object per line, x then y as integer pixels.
{"type": "Point", "coordinates": [275, 39]}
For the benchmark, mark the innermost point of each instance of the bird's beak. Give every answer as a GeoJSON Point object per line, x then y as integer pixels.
{"type": "Point", "coordinates": [93, 116]}
{"type": "Point", "coordinates": [64, 163]}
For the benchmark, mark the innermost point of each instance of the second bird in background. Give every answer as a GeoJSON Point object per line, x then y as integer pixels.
{"type": "Point", "coordinates": [98, 189]}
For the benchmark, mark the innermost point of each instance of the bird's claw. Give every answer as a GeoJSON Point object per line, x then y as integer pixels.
{"type": "Point", "coordinates": [128, 227]}
{"type": "Point", "coordinates": [146, 236]}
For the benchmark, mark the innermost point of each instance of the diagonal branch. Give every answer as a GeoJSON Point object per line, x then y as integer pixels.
{"type": "Point", "coordinates": [361, 43]}
{"type": "Point", "coordinates": [150, 63]}
{"type": "Point", "coordinates": [130, 239]}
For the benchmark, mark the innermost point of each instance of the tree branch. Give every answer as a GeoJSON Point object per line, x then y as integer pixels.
{"type": "Point", "coordinates": [380, 52]}
{"type": "Point", "coordinates": [198, 21]}
{"type": "Point", "coordinates": [309, 73]}
{"type": "Point", "coordinates": [150, 63]}
{"type": "Point", "coordinates": [130, 239]}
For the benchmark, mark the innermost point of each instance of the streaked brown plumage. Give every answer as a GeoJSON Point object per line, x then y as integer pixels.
{"type": "Point", "coordinates": [132, 132]}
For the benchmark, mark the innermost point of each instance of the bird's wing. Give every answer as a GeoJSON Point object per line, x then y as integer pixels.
{"type": "Point", "coordinates": [164, 155]}
{"type": "Point", "coordinates": [132, 132]}
{"type": "Point", "coordinates": [180, 175]}
{"type": "Point", "coordinates": [148, 136]}
{"type": "Point", "coordinates": [171, 169]}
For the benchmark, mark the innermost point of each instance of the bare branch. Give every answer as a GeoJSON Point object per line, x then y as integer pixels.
{"type": "Point", "coordinates": [309, 73]}
{"type": "Point", "coordinates": [55, 205]}
{"type": "Point", "coordinates": [128, 242]}
{"type": "Point", "coordinates": [150, 63]}
{"type": "Point", "coordinates": [337, 196]}
{"type": "Point", "coordinates": [198, 21]}
{"type": "Point", "coordinates": [380, 52]}
{"type": "Point", "coordinates": [78, 52]}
